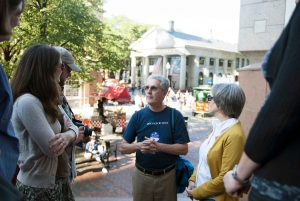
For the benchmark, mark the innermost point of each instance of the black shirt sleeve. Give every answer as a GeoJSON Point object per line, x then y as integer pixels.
{"type": "Point", "coordinates": [278, 122]}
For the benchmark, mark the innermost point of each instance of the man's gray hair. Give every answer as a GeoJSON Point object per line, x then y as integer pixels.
{"type": "Point", "coordinates": [229, 98]}
{"type": "Point", "coordinates": [164, 82]}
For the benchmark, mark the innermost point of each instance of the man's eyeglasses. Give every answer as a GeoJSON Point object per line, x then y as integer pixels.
{"type": "Point", "coordinates": [153, 88]}
{"type": "Point", "coordinates": [209, 97]}
{"type": "Point", "coordinates": [62, 66]}
{"type": "Point", "coordinates": [68, 68]}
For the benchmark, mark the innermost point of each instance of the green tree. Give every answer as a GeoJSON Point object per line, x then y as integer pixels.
{"type": "Point", "coordinates": [129, 30]}
{"type": "Point", "coordinates": [73, 24]}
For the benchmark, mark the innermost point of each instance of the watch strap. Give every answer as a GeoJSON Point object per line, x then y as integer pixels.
{"type": "Point", "coordinates": [234, 175]}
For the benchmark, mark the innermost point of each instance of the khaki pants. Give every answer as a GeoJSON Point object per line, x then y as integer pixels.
{"type": "Point", "coordinates": [147, 187]}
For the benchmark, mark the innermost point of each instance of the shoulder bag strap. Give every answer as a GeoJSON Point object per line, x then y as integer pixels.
{"type": "Point", "coordinates": [173, 127]}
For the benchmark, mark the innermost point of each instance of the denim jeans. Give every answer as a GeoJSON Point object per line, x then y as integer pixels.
{"type": "Point", "coordinates": [101, 156]}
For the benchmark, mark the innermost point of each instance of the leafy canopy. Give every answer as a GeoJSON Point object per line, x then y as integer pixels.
{"type": "Point", "coordinates": [75, 25]}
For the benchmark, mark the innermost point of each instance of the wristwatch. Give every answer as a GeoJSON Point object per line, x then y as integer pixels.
{"type": "Point", "coordinates": [241, 181]}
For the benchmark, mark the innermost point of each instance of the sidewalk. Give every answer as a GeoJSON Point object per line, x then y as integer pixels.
{"type": "Point", "coordinates": [93, 185]}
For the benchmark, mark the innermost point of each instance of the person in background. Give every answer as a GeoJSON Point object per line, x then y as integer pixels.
{"type": "Point", "coordinates": [156, 146]}
{"type": "Point", "coordinates": [100, 108]}
{"type": "Point", "coordinates": [94, 150]}
{"type": "Point", "coordinates": [138, 102]}
{"type": "Point", "coordinates": [10, 13]}
{"type": "Point", "coordinates": [222, 148]}
{"type": "Point", "coordinates": [271, 154]}
{"type": "Point", "coordinates": [68, 61]}
{"type": "Point", "coordinates": [42, 127]}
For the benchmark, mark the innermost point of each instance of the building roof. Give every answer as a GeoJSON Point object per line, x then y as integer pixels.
{"type": "Point", "coordinates": [192, 40]}
{"type": "Point", "coordinates": [179, 39]}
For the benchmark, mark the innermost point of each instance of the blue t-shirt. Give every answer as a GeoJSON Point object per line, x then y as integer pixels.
{"type": "Point", "coordinates": [144, 122]}
{"type": "Point", "coordinates": [9, 144]}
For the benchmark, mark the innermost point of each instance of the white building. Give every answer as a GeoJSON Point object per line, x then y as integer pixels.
{"type": "Point", "coordinates": [186, 59]}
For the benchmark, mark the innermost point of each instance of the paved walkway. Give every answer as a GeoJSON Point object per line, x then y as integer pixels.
{"type": "Point", "coordinates": [93, 185]}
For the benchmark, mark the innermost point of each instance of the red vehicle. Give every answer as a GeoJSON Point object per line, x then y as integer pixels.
{"type": "Point", "coordinates": [113, 90]}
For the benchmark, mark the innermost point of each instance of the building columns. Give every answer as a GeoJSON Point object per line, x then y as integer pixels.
{"type": "Point", "coordinates": [164, 65]}
{"type": "Point", "coordinates": [225, 61]}
{"type": "Point", "coordinates": [206, 71]}
{"type": "Point", "coordinates": [216, 71]}
{"type": "Point", "coordinates": [233, 69]}
{"type": "Point", "coordinates": [146, 69]}
{"type": "Point", "coordinates": [133, 69]}
{"type": "Point", "coordinates": [196, 71]}
{"type": "Point", "coordinates": [182, 73]}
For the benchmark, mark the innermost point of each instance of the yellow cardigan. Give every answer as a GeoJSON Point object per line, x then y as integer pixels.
{"type": "Point", "coordinates": [223, 155]}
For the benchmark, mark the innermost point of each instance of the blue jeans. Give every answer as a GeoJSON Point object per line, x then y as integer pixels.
{"type": "Point", "coordinates": [101, 156]}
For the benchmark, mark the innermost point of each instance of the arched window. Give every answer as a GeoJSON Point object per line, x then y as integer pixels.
{"type": "Point", "coordinates": [220, 75]}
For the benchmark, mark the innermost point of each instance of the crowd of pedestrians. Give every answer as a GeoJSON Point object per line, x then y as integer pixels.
{"type": "Point", "coordinates": [37, 135]}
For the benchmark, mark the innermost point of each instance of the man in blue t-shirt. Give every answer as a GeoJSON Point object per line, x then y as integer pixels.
{"type": "Point", "coordinates": [150, 135]}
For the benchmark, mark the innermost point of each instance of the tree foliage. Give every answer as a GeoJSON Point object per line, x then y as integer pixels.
{"type": "Point", "coordinates": [127, 29]}
{"type": "Point", "coordinates": [73, 24]}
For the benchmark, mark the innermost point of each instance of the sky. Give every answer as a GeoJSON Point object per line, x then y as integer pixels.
{"type": "Point", "coordinates": [204, 18]}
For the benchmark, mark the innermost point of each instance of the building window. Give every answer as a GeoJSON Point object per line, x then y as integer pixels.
{"type": "Point", "coordinates": [72, 88]}
{"type": "Point", "coordinates": [220, 75]}
{"type": "Point", "coordinates": [243, 62]}
{"type": "Point", "coordinates": [175, 66]}
{"type": "Point", "coordinates": [187, 61]}
{"type": "Point", "coordinates": [210, 79]}
{"type": "Point", "coordinates": [221, 61]}
{"type": "Point", "coordinates": [247, 62]}
{"type": "Point", "coordinates": [111, 75]}
{"type": "Point", "coordinates": [151, 61]}
{"type": "Point", "coordinates": [200, 82]}
{"type": "Point", "coordinates": [211, 62]}
{"type": "Point", "coordinates": [237, 63]}
{"type": "Point", "coordinates": [229, 63]}
{"type": "Point", "coordinates": [201, 61]}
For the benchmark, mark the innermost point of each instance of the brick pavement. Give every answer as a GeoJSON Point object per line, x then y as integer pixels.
{"type": "Point", "coordinates": [93, 185]}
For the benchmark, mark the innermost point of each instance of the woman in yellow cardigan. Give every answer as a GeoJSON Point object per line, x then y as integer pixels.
{"type": "Point", "coordinates": [223, 147]}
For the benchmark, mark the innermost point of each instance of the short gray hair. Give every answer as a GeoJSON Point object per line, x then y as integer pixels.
{"type": "Point", "coordinates": [164, 82]}
{"type": "Point", "coordinates": [229, 98]}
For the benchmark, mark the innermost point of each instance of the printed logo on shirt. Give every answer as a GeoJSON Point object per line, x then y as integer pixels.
{"type": "Point", "coordinates": [156, 123]}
